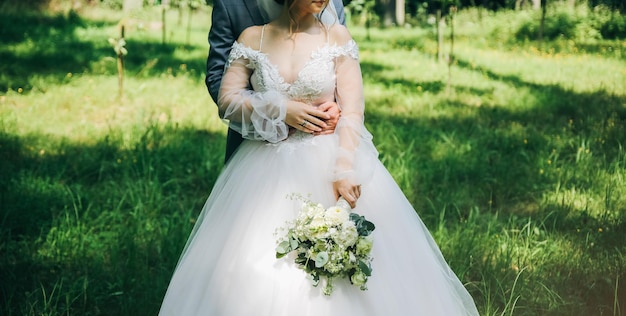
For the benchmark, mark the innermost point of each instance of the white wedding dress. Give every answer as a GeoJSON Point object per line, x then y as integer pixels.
{"type": "Point", "coordinates": [229, 268]}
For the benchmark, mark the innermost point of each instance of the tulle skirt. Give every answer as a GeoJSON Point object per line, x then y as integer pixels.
{"type": "Point", "coordinates": [229, 268]}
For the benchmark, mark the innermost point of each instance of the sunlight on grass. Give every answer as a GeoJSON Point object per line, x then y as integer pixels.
{"type": "Point", "coordinates": [581, 73]}
{"type": "Point", "coordinates": [86, 108]}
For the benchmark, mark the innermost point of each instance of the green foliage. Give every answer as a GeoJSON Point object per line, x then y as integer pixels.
{"type": "Point", "coordinates": [29, 5]}
{"type": "Point", "coordinates": [361, 12]}
{"type": "Point", "coordinates": [614, 28]}
{"type": "Point", "coordinates": [568, 30]}
{"type": "Point", "coordinates": [561, 25]}
{"type": "Point", "coordinates": [580, 24]}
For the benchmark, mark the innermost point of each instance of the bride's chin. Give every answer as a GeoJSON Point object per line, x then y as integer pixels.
{"type": "Point", "coordinates": [319, 5]}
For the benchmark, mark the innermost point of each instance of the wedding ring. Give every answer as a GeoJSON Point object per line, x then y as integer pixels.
{"type": "Point", "coordinates": [304, 123]}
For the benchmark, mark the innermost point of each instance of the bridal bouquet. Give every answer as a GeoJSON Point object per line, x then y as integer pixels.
{"type": "Point", "coordinates": [329, 243]}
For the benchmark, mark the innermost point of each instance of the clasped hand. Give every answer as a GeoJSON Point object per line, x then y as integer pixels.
{"type": "Point", "coordinates": [313, 120]}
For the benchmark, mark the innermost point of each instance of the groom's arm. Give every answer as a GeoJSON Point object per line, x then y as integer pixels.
{"type": "Point", "coordinates": [221, 39]}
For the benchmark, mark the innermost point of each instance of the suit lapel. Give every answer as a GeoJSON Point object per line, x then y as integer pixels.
{"type": "Point", "coordinates": [255, 12]}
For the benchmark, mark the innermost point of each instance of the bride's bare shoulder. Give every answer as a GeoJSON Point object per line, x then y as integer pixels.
{"type": "Point", "coordinates": [251, 37]}
{"type": "Point", "coordinates": [339, 34]}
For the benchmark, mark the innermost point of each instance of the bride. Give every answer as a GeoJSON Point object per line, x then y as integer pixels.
{"type": "Point", "coordinates": [228, 267]}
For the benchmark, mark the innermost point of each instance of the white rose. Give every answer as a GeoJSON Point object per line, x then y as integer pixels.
{"type": "Point", "coordinates": [317, 222]}
{"type": "Point", "coordinates": [337, 215]}
{"type": "Point", "coordinates": [363, 246]}
{"type": "Point", "coordinates": [358, 278]}
{"type": "Point", "coordinates": [348, 236]}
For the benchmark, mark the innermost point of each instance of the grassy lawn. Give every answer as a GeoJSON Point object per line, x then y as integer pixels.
{"type": "Point", "coordinates": [514, 158]}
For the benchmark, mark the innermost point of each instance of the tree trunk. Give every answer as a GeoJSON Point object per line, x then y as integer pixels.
{"type": "Point", "coordinates": [180, 14]}
{"type": "Point", "coordinates": [544, 5]}
{"type": "Point", "coordinates": [120, 69]}
{"type": "Point", "coordinates": [388, 14]}
{"type": "Point", "coordinates": [164, 22]}
{"type": "Point", "coordinates": [451, 56]}
{"type": "Point", "coordinates": [190, 14]}
{"type": "Point", "coordinates": [440, 26]}
{"type": "Point", "coordinates": [536, 4]}
{"type": "Point", "coordinates": [368, 24]}
{"type": "Point", "coordinates": [400, 12]}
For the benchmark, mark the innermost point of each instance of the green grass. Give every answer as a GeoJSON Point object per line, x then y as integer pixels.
{"type": "Point", "coordinates": [517, 169]}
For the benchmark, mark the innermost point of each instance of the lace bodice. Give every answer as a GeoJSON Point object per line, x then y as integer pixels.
{"type": "Point", "coordinates": [331, 73]}
{"type": "Point", "coordinates": [315, 80]}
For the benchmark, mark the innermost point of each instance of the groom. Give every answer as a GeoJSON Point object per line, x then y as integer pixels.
{"type": "Point", "coordinates": [229, 19]}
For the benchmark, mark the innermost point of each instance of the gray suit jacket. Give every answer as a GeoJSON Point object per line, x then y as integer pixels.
{"type": "Point", "coordinates": [229, 19]}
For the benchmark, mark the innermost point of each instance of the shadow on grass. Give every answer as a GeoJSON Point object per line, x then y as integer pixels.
{"type": "Point", "coordinates": [591, 113]}
{"type": "Point", "coordinates": [75, 222]}
{"type": "Point", "coordinates": [372, 72]}
{"type": "Point", "coordinates": [495, 168]}
{"type": "Point", "coordinates": [605, 49]}
{"type": "Point", "coordinates": [507, 144]}
{"type": "Point", "coordinates": [47, 46]}
{"type": "Point", "coordinates": [506, 161]}
{"type": "Point", "coordinates": [488, 165]}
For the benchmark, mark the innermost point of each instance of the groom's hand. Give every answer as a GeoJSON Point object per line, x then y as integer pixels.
{"type": "Point", "coordinates": [332, 109]}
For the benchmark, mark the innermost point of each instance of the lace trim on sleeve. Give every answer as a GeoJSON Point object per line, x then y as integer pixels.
{"type": "Point", "coordinates": [349, 49]}
{"type": "Point", "coordinates": [258, 115]}
{"type": "Point", "coordinates": [238, 51]}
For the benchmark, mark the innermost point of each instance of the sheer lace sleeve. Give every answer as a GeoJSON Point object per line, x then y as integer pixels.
{"type": "Point", "coordinates": [356, 151]}
{"type": "Point", "coordinates": [258, 115]}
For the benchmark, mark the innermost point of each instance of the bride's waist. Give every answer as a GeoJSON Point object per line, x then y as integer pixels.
{"type": "Point", "coordinates": [299, 138]}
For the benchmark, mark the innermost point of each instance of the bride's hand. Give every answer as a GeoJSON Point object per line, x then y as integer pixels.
{"type": "Point", "coordinates": [350, 192]}
{"type": "Point", "coordinates": [304, 117]}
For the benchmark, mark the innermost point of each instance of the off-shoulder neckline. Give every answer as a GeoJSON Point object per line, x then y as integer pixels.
{"type": "Point", "coordinates": [314, 54]}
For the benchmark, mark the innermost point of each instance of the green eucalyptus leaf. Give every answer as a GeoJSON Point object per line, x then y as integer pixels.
{"type": "Point", "coordinates": [315, 279]}
{"type": "Point", "coordinates": [365, 268]}
{"type": "Point", "coordinates": [294, 243]}
{"type": "Point", "coordinates": [363, 226]}
{"type": "Point", "coordinates": [321, 259]}
{"type": "Point", "coordinates": [283, 247]}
